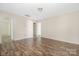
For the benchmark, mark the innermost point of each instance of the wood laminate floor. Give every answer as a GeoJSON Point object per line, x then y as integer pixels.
{"type": "Point", "coordinates": [39, 47]}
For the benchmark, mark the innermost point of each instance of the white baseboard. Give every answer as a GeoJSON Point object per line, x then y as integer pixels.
{"type": "Point", "coordinates": [63, 40]}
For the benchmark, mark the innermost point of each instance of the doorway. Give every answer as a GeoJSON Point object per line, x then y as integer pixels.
{"type": "Point", "coordinates": [5, 33]}
{"type": "Point", "coordinates": [36, 29]}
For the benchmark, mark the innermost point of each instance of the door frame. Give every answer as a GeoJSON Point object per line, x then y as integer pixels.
{"type": "Point", "coordinates": [12, 27]}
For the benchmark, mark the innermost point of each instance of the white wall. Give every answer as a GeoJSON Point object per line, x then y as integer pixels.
{"type": "Point", "coordinates": [23, 28]}
{"type": "Point", "coordinates": [38, 29]}
{"type": "Point", "coordinates": [29, 28]}
{"type": "Point", "coordinates": [62, 28]}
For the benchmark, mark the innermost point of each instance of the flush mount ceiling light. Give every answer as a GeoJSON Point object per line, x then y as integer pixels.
{"type": "Point", "coordinates": [40, 9]}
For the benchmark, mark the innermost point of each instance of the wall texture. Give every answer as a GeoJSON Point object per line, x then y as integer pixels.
{"type": "Point", "coordinates": [62, 28]}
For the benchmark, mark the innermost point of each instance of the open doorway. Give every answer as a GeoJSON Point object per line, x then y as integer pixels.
{"type": "Point", "coordinates": [36, 29]}
{"type": "Point", "coordinates": [5, 33]}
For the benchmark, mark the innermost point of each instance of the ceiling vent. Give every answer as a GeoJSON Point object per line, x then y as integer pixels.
{"type": "Point", "coordinates": [40, 9]}
{"type": "Point", "coordinates": [27, 15]}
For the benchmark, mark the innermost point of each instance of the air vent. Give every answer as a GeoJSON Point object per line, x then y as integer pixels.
{"type": "Point", "coordinates": [27, 15]}
{"type": "Point", "coordinates": [40, 9]}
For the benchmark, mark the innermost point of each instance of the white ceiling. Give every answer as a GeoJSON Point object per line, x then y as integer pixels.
{"type": "Point", "coordinates": [31, 9]}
